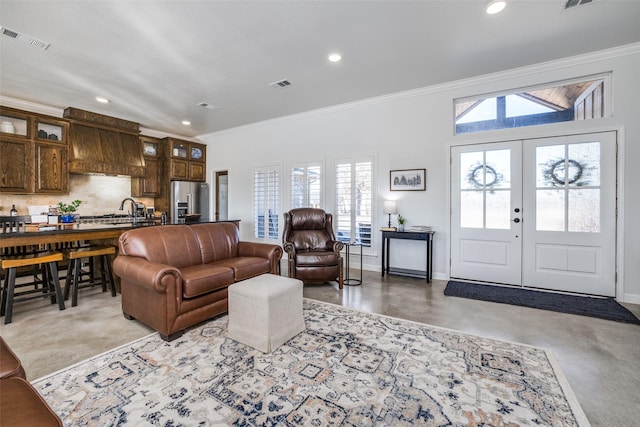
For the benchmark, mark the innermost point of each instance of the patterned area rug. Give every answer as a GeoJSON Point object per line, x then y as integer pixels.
{"type": "Point", "coordinates": [348, 368]}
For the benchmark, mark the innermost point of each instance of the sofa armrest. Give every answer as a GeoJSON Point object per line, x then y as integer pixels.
{"type": "Point", "coordinates": [263, 250]}
{"type": "Point", "coordinates": [138, 271]}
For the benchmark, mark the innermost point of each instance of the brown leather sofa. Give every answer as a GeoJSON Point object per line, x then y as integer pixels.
{"type": "Point", "coordinates": [311, 245]}
{"type": "Point", "coordinates": [175, 276]}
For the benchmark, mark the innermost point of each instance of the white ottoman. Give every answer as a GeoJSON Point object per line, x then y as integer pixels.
{"type": "Point", "coordinates": [265, 311]}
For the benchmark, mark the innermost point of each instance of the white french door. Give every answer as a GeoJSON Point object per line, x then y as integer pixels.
{"type": "Point", "coordinates": [486, 203]}
{"type": "Point", "coordinates": [536, 213]}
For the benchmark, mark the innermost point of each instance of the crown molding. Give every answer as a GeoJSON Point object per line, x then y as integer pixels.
{"type": "Point", "coordinates": [33, 107]}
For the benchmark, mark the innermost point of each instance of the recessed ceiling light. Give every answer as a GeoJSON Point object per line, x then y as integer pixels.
{"type": "Point", "coordinates": [495, 6]}
{"type": "Point", "coordinates": [186, 122]}
{"type": "Point", "coordinates": [102, 99]}
{"type": "Point", "coordinates": [335, 57]}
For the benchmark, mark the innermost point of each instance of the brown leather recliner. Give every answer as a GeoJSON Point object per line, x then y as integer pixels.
{"type": "Point", "coordinates": [311, 245]}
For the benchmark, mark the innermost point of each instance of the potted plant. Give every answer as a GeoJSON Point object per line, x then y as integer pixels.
{"type": "Point", "coordinates": [67, 210]}
{"type": "Point", "coordinates": [401, 221]}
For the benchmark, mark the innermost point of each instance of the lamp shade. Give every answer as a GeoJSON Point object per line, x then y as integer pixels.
{"type": "Point", "coordinates": [390, 207]}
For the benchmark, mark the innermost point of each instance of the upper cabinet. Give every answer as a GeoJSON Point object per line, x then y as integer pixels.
{"type": "Point", "coordinates": [33, 153]}
{"type": "Point", "coordinates": [150, 184]}
{"type": "Point", "coordinates": [186, 160]}
{"type": "Point", "coordinates": [51, 155]}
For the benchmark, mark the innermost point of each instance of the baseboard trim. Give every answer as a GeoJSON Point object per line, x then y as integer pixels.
{"type": "Point", "coordinates": [631, 298]}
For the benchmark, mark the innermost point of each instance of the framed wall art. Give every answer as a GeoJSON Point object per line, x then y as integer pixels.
{"type": "Point", "coordinates": [408, 180]}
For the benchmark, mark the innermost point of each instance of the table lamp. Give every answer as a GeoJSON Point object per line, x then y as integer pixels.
{"type": "Point", "coordinates": [390, 207]}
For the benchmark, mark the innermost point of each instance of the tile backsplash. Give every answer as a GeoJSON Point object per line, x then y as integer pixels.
{"type": "Point", "coordinates": [100, 195]}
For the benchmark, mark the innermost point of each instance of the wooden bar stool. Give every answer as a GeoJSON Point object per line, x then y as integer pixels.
{"type": "Point", "coordinates": [74, 280]}
{"type": "Point", "coordinates": [51, 283]}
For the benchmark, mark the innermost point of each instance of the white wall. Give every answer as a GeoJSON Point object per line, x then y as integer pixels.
{"type": "Point", "coordinates": [414, 129]}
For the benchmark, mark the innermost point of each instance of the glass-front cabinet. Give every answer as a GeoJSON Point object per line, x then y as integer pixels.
{"type": "Point", "coordinates": [14, 123]}
{"type": "Point", "coordinates": [33, 153]}
{"type": "Point", "coordinates": [150, 184]}
{"type": "Point", "coordinates": [187, 160]}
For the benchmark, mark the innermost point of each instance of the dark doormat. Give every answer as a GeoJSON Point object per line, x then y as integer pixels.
{"type": "Point", "coordinates": [604, 308]}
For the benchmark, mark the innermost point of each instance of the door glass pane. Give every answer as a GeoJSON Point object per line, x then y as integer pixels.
{"type": "Point", "coordinates": [471, 209]}
{"type": "Point", "coordinates": [550, 210]}
{"type": "Point", "coordinates": [584, 160]}
{"type": "Point", "coordinates": [498, 208]}
{"type": "Point", "coordinates": [550, 161]}
{"type": "Point", "coordinates": [584, 210]}
{"type": "Point", "coordinates": [498, 173]}
{"type": "Point", "coordinates": [471, 171]}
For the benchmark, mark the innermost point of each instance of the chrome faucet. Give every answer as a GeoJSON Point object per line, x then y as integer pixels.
{"type": "Point", "coordinates": [134, 211]}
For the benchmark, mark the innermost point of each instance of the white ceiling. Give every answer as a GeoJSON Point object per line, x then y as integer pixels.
{"type": "Point", "coordinates": [155, 60]}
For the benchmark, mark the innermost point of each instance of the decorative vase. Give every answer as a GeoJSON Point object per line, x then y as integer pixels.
{"type": "Point", "coordinates": [400, 227]}
{"type": "Point", "coordinates": [67, 218]}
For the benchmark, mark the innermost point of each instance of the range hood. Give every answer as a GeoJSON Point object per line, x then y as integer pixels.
{"type": "Point", "coordinates": [103, 145]}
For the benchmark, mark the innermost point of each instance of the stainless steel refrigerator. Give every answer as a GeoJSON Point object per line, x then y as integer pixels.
{"type": "Point", "coordinates": [189, 198]}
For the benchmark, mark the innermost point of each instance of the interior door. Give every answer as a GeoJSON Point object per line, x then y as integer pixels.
{"type": "Point", "coordinates": [486, 208]}
{"type": "Point", "coordinates": [537, 213]}
{"type": "Point", "coordinates": [570, 229]}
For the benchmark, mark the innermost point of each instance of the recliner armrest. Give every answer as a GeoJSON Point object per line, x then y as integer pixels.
{"type": "Point", "coordinates": [336, 245]}
{"type": "Point", "coordinates": [290, 249]}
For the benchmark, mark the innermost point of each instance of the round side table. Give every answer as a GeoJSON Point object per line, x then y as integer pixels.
{"type": "Point", "coordinates": [347, 248]}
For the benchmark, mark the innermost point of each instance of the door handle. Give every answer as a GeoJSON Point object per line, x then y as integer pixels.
{"type": "Point", "coordinates": [516, 220]}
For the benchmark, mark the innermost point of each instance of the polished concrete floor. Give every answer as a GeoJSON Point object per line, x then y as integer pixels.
{"type": "Point", "coordinates": [600, 358]}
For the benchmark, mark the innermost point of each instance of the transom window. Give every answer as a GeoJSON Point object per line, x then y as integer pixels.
{"type": "Point", "coordinates": [561, 102]}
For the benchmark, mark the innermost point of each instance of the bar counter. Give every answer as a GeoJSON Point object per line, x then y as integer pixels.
{"type": "Point", "coordinates": [77, 232]}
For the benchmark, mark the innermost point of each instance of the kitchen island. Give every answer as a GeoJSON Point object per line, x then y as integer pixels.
{"type": "Point", "coordinates": [76, 232]}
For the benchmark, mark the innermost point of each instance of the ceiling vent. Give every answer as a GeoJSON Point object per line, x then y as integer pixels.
{"type": "Point", "coordinates": [206, 105]}
{"type": "Point", "coordinates": [574, 3]}
{"type": "Point", "coordinates": [280, 83]}
{"type": "Point", "coordinates": [24, 38]}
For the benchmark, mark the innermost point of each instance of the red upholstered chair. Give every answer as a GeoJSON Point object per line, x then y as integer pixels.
{"type": "Point", "coordinates": [311, 245]}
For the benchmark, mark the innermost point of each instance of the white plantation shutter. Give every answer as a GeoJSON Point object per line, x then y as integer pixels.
{"type": "Point", "coordinates": [306, 186]}
{"type": "Point", "coordinates": [266, 184]}
{"type": "Point", "coordinates": [353, 214]}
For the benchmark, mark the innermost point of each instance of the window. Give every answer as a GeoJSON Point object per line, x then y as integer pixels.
{"type": "Point", "coordinates": [567, 101]}
{"type": "Point", "coordinates": [266, 194]}
{"type": "Point", "coordinates": [306, 186]}
{"type": "Point", "coordinates": [353, 213]}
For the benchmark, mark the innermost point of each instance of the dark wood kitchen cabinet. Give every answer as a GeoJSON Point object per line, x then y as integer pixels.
{"type": "Point", "coordinates": [186, 160]}
{"type": "Point", "coordinates": [51, 156]}
{"type": "Point", "coordinates": [33, 153]}
{"type": "Point", "coordinates": [150, 184]}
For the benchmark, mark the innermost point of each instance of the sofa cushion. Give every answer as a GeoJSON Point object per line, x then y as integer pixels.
{"type": "Point", "coordinates": [174, 245]}
{"type": "Point", "coordinates": [246, 267]}
{"type": "Point", "coordinates": [217, 241]}
{"type": "Point", "coordinates": [201, 279]}
{"type": "Point", "coordinates": [316, 258]}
